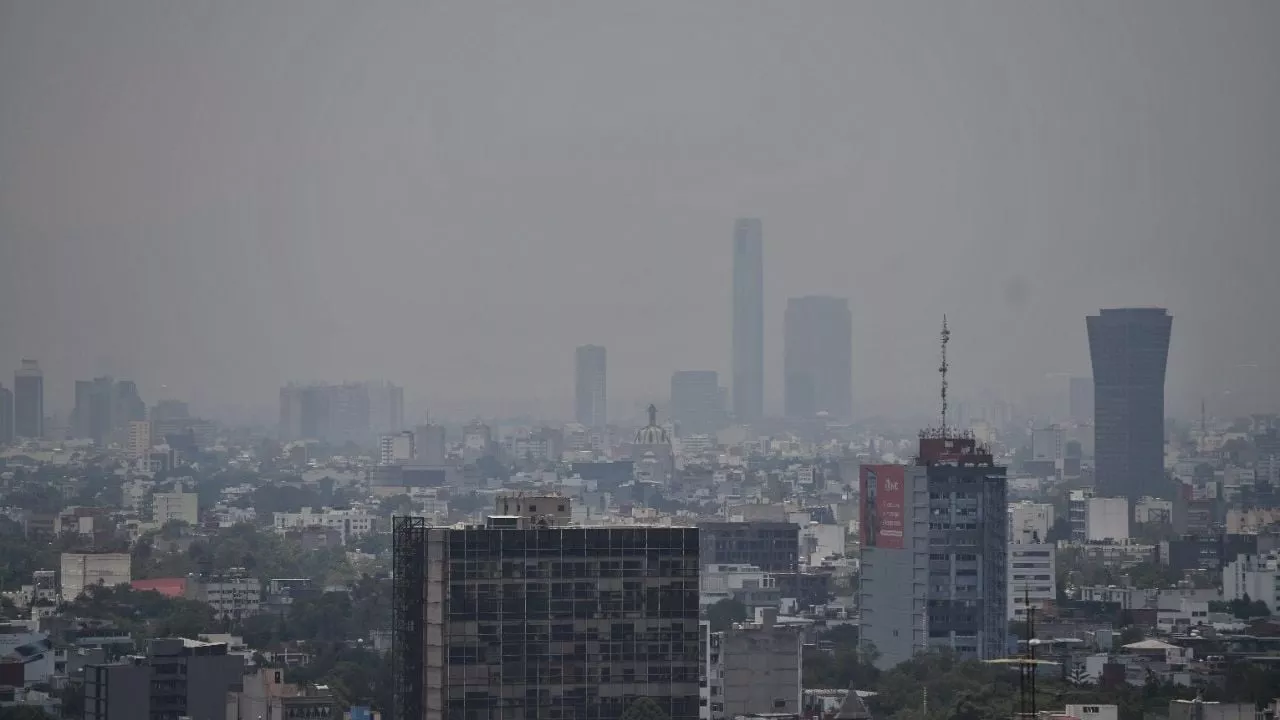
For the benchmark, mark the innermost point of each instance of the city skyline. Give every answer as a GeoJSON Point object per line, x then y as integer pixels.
{"type": "Point", "coordinates": [1061, 183]}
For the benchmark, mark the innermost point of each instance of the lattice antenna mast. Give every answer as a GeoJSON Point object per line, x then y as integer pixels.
{"type": "Point", "coordinates": [942, 370]}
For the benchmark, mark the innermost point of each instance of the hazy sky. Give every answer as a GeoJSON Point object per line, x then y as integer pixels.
{"type": "Point", "coordinates": [222, 196]}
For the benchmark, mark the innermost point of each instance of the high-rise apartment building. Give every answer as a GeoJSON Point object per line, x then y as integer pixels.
{"type": "Point", "coordinates": [1129, 348]}
{"type": "Point", "coordinates": [818, 357]}
{"type": "Point", "coordinates": [524, 618]}
{"type": "Point", "coordinates": [934, 553]}
{"type": "Point", "coordinates": [338, 414]}
{"type": "Point", "coordinates": [695, 401]}
{"type": "Point", "coordinates": [28, 401]}
{"type": "Point", "coordinates": [6, 417]}
{"type": "Point", "coordinates": [590, 386]}
{"type": "Point", "coordinates": [1080, 400]}
{"type": "Point", "coordinates": [396, 448]}
{"type": "Point", "coordinates": [139, 441]}
{"type": "Point", "coordinates": [748, 320]}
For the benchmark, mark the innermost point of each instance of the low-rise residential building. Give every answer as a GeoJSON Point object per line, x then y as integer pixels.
{"type": "Point", "coordinates": [756, 667]}
{"type": "Point", "coordinates": [349, 523]}
{"type": "Point", "coordinates": [83, 570]}
{"type": "Point", "coordinates": [233, 596]}
{"type": "Point", "coordinates": [1257, 576]}
{"type": "Point", "coordinates": [177, 506]}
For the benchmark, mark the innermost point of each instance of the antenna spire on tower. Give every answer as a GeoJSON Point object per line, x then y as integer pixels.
{"type": "Point", "coordinates": [942, 369]}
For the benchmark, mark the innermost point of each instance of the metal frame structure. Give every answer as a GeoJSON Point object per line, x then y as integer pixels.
{"type": "Point", "coordinates": [409, 599]}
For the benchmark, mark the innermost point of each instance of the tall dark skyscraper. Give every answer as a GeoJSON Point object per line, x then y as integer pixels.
{"type": "Point", "coordinates": [748, 320]}
{"type": "Point", "coordinates": [6, 416]}
{"type": "Point", "coordinates": [589, 386]}
{"type": "Point", "coordinates": [818, 357]}
{"type": "Point", "coordinates": [1130, 349]}
{"type": "Point", "coordinates": [28, 400]}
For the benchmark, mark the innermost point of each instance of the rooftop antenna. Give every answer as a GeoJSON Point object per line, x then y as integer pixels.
{"type": "Point", "coordinates": [942, 369]}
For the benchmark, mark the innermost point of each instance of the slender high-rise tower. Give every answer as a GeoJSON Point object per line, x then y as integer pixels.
{"type": "Point", "coordinates": [1130, 349]}
{"type": "Point", "coordinates": [748, 320]}
{"type": "Point", "coordinates": [818, 357]}
{"type": "Point", "coordinates": [28, 401]}
{"type": "Point", "coordinates": [589, 386]}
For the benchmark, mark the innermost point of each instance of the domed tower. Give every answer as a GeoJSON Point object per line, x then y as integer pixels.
{"type": "Point", "coordinates": [651, 452]}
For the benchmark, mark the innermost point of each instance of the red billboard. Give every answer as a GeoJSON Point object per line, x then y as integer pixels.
{"type": "Point", "coordinates": [881, 511]}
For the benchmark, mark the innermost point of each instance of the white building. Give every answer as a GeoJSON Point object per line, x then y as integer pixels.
{"type": "Point", "coordinates": [396, 448]}
{"type": "Point", "coordinates": [1029, 521]}
{"type": "Point", "coordinates": [139, 443]}
{"type": "Point", "coordinates": [350, 523]}
{"type": "Point", "coordinates": [83, 570]}
{"type": "Point", "coordinates": [177, 505]}
{"type": "Point", "coordinates": [1032, 578]}
{"type": "Point", "coordinates": [1180, 614]}
{"type": "Point", "coordinates": [718, 582]}
{"type": "Point", "coordinates": [1107, 519]}
{"type": "Point", "coordinates": [233, 596]}
{"type": "Point", "coordinates": [1257, 576]}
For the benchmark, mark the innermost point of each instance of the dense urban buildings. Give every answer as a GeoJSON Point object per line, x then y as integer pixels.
{"type": "Point", "coordinates": [771, 546]}
{"type": "Point", "coordinates": [695, 401]}
{"type": "Point", "coordinates": [28, 401]}
{"type": "Point", "coordinates": [748, 320]}
{"type": "Point", "coordinates": [934, 539]}
{"type": "Point", "coordinates": [104, 408]}
{"type": "Point", "coordinates": [522, 618]}
{"type": "Point", "coordinates": [818, 357]}
{"type": "Point", "coordinates": [176, 678]}
{"type": "Point", "coordinates": [590, 386]}
{"type": "Point", "coordinates": [1129, 348]}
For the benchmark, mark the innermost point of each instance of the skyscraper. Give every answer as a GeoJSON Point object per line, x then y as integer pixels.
{"type": "Point", "coordinates": [748, 320]}
{"type": "Point", "coordinates": [6, 416]}
{"type": "Point", "coordinates": [28, 400]}
{"type": "Point", "coordinates": [695, 401]}
{"type": "Point", "coordinates": [1080, 400]}
{"type": "Point", "coordinates": [934, 553]}
{"type": "Point", "coordinates": [818, 357]}
{"type": "Point", "coordinates": [528, 618]}
{"type": "Point", "coordinates": [590, 386]}
{"type": "Point", "coordinates": [1130, 350]}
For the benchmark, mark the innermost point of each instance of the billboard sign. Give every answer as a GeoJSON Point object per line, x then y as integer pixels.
{"type": "Point", "coordinates": [881, 520]}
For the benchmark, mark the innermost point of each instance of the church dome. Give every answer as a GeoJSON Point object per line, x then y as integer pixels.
{"type": "Point", "coordinates": [652, 434]}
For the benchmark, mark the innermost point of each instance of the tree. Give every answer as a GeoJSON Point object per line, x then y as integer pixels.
{"type": "Point", "coordinates": [722, 615]}
{"type": "Point", "coordinates": [644, 708]}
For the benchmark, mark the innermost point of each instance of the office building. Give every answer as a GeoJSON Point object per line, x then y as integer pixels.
{"type": "Point", "coordinates": [396, 448]}
{"type": "Point", "coordinates": [934, 539]}
{"type": "Point", "coordinates": [695, 402]}
{"type": "Point", "coordinates": [1106, 519]}
{"type": "Point", "coordinates": [748, 320]}
{"type": "Point", "coordinates": [818, 357]}
{"type": "Point", "coordinates": [233, 595]}
{"type": "Point", "coordinates": [84, 570]}
{"type": "Point", "coordinates": [169, 411]}
{"type": "Point", "coordinates": [429, 444]}
{"type": "Point", "coordinates": [177, 678]}
{"type": "Point", "coordinates": [104, 408]}
{"type": "Point", "coordinates": [1080, 400]}
{"type": "Point", "coordinates": [6, 417]}
{"type": "Point", "coordinates": [1032, 579]}
{"type": "Point", "coordinates": [386, 408]}
{"type": "Point", "coordinates": [524, 618]}
{"type": "Point", "coordinates": [1129, 348]}
{"type": "Point", "coordinates": [28, 401]}
{"type": "Point", "coordinates": [477, 441]}
{"type": "Point", "coordinates": [590, 384]}
{"type": "Point", "coordinates": [771, 546]}
{"type": "Point", "coordinates": [1030, 522]}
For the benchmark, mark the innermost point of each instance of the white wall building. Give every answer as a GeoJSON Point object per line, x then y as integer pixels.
{"type": "Point", "coordinates": [83, 570]}
{"type": "Point", "coordinates": [1107, 519]}
{"type": "Point", "coordinates": [719, 581]}
{"type": "Point", "coordinates": [1032, 578]}
{"type": "Point", "coordinates": [350, 523]}
{"type": "Point", "coordinates": [178, 505]}
{"type": "Point", "coordinates": [1257, 576]}
{"type": "Point", "coordinates": [1029, 520]}
{"type": "Point", "coordinates": [396, 448]}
